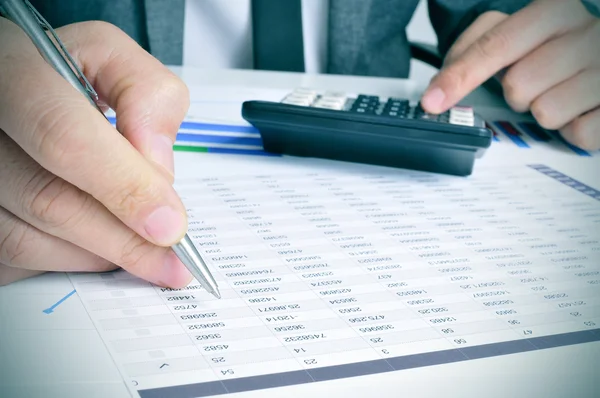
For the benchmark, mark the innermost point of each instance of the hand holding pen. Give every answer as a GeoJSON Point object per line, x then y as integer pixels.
{"type": "Point", "coordinates": [75, 193]}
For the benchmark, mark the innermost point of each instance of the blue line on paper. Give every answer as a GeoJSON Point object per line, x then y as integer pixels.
{"type": "Point", "coordinates": [234, 151]}
{"type": "Point", "coordinates": [219, 139]}
{"type": "Point", "coordinates": [59, 302]}
{"type": "Point", "coordinates": [566, 180]}
{"type": "Point", "coordinates": [218, 127]}
{"type": "Point", "coordinates": [209, 126]}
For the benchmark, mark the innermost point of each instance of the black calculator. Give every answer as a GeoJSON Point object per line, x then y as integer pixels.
{"type": "Point", "coordinates": [370, 129]}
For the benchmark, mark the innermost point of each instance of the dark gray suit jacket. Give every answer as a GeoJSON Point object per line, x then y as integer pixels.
{"type": "Point", "coordinates": [366, 37]}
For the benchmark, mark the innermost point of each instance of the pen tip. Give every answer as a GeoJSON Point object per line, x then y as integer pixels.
{"type": "Point", "coordinates": [217, 294]}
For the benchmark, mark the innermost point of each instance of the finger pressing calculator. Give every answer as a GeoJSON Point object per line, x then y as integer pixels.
{"type": "Point", "coordinates": [370, 129]}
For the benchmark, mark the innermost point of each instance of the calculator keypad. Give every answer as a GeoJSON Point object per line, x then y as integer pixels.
{"type": "Point", "coordinates": [375, 105]}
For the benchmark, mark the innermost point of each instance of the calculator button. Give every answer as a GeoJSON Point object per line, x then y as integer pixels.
{"type": "Point", "coordinates": [331, 104]}
{"type": "Point", "coordinates": [462, 116]}
{"type": "Point", "coordinates": [461, 122]}
{"type": "Point", "coordinates": [332, 100]}
{"type": "Point", "coordinates": [366, 111]}
{"type": "Point", "coordinates": [395, 107]}
{"type": "Point", "coordinates": [325, 105]}
{"type": "Point", "coordinates": [300, 96]}
{"type": "Point", "coordinates": [295, 96]}
{"type": "Point", "coordinates": [367, 99]}
{"type": "Point", "coordinates": [328, 105]}
{"type": "Point", "coordinates": [335, 94]}
{"type": "Point", "coordinates": [461, 112]}
{"type": "Point", "coordinates": [400, 114]}
{"type": "Point", "coordinates": [363, 97]}
{"type": "Point", "coordinates": [400, 100]}
{"type": "Point", "coordinates": [463, 109]}
{"type": "Point", "coordinates": [397, 102]}
{"type": "Point", "coordinates": [296, 101]}
{"type": "Point", "coordinates": [367, 104]}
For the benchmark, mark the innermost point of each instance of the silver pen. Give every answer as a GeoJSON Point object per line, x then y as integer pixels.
{"type": "Point", "coordinates": [22, 13]}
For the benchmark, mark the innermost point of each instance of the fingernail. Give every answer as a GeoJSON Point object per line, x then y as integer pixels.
{"type": "Point", "coordinates": [166, 225]}
{"type": "Point", "coordinates": [173, 273]}
{"type": "Point", "coordinates": [161, 152]}
{"type": "Point", "coordinates": [433, 99]}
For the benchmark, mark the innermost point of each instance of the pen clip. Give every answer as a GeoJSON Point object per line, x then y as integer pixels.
{"type": "Point", "coordinates": [72, 64]}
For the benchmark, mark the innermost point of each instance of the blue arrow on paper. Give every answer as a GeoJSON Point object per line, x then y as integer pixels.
{"type": "Point", "coordinates": [59, 302]}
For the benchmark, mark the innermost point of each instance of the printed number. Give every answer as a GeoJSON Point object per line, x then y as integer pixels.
{"type": "Point", "coordinates": [514, 322]}
{"type": "Point", "coordinates": [376, 340]}
{"type": "Point", "coordinates": [218, 359]}
{"type": "Point", "coordinates": [460, 341]}
{"type": "Point", "coordinates": [227, 372]}
{"type": "Point", "coordinates": [589, 323]}
{"type": "Point", "coordinates": [576, 313]}
{"type": "Point", "coordinates": [310, 361]}
{"type": "Point", "coordinates": [447, 331]}
{"type": "Point", "coordinates": [527, 332]}
{"type": "Point", "coordinates": [385, 351]}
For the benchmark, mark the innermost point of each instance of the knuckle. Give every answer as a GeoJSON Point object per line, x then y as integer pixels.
{"type": "Point", "coordinates": [54, 202]}
{"type": "Point", "coordinates": [133, 252]}
{"type": "Point", "coordinates": [492, 44]}
{"type": "Point", "coordinates": [544, 115]}
{"type": "Point", "coordinates": [56, 139]}
{"type": "Point", "coordinates": [131, 195]}
{"type": "Point", "coordinates": [174, 88]}
{"type": "Point", "coordinates": [513, 92]}
{"type": "Point", "coordinates": [176, 94]}
{"type": "Point", "coordinates": [14, 240]}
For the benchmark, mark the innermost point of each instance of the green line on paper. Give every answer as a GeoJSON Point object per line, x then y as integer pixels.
{"type": "Point", "coordinates": [189, 148]}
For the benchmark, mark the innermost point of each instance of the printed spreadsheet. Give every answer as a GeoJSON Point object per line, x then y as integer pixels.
{"type": "Point", "coordinates": [333, 274]}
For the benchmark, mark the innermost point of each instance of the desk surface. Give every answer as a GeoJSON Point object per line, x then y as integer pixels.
{"type": "Point", "coordinates": [63, 356]}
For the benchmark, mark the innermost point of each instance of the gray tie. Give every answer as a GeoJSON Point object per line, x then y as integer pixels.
{"type": "Point", "coordinates": [277, 35]}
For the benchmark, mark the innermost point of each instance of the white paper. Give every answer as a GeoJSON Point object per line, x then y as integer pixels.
{"type": "Point", "coordinates": [337, 270]}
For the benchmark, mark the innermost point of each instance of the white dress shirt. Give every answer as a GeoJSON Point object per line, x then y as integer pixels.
{"type": "Point", "coordinates": [218, 34]}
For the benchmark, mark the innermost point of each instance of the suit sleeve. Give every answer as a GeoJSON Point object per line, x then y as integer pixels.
{"type": "Point", "coordinates": [451, 17]}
